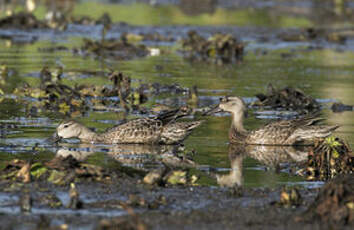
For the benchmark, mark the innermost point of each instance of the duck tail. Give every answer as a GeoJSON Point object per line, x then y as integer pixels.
{"type": "Point", "coordinates": [176, 132]}
{"type": "Point", "coordinates": [173, 115]}
{"type": "Point", "coordinates": [190, 125]}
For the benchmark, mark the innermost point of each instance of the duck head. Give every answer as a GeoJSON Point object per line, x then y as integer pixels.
{"type": "Point", "coordinates": [234, 105]}
{"type": "Point", "coordinates": [68, 129]}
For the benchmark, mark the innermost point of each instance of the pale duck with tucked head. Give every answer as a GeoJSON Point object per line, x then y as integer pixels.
{"type": "Point", "coordinates": [160, 130]}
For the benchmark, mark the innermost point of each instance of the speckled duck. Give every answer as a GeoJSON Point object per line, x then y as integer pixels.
{"type": "Point", "coordinates": [160, 130]}
{"type": "Point", "coordinates": [301, 131]}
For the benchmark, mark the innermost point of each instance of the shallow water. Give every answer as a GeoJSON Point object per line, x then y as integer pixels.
{"type": "Point", "coordinates": [326, 74]}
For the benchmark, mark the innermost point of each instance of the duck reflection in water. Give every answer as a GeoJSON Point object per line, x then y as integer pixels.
{"type": "Point", "coordinates": [133, 155]}
{"type": "Point", "coordinates": [271, 156]}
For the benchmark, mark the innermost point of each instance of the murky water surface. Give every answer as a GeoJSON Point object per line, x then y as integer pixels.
{"type": "Point", "coordinates": [326, 73]}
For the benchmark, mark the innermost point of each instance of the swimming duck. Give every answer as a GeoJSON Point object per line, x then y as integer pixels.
{"type": "Point", "coordinates": [160, 130]}
{"type": "Point", "coordinates": [301, 131]}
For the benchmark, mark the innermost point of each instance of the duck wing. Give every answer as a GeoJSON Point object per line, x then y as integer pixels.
{"type": "Point", "coordinates": [139, 131]}
{"type": "Point", "coordinates": [275, 133]}
{"type": "Point", "coordinates": [290, 132]}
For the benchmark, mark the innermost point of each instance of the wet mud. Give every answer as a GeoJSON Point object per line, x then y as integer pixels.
{"type": "Point", "coordinates": [132, 205]}
{"type": "Point", "coordinates": [334, 203]}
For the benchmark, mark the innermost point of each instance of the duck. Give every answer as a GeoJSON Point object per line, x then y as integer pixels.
{"type": "Point", "coordinates": [162, 129]}
{"type": "Point", "coordinates": [300, 131]}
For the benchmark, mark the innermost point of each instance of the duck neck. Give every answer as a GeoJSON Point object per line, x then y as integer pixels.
{"type": "Point", "coordinates": [87, 135]}
{"type": "Point", "coordinates": [237, 123]}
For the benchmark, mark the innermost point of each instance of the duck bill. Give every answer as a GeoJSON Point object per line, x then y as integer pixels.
{"type": "Point", "coordinates": [213, 110]}
{"type": "Point", "coordinates": [55, 138]}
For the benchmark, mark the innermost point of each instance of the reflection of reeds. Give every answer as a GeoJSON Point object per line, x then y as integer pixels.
{"type": "Point", "coordinates": [133, 221]}
{"type": "Point", "coordinates": [106, 22]}
{"type": "Point", "coordinates": [122, 85]}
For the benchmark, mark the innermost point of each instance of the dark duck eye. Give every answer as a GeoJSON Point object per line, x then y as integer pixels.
{"type": "Point", "coordinates": [223, 99]}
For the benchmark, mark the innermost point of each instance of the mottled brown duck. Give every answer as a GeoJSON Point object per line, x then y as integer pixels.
{"type": "Point", "coordinates": [301, 131]}
{"type": "Point", "coordinates": [160, 130]}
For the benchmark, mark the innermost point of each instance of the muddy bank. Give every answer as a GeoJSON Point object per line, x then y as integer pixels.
{"type": "Point", "coordinates": [132, 205]}
{"type": "Point", "coordinates": [334, 204]}
{"type": "Point", "coordinates": [193, 207]}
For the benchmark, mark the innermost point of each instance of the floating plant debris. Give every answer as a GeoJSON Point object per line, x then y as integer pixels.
{"type": "Point", "coordinates": [340, 107]}
{"type": "Point", "coordinates": [167, 176]}
{"type": "Point", "coordinates": [117, 49]}
{"type": "Point", "coordinates": [220, 48]}
{"type": "Point", "coordinates": [329, 158]}
{"type": "Point", "coordinates": [290, 197]}
{"type": "Point", "coordinates": [287, 98]}
{"type": "Point", "coordinates": [53, 95]}
{"type": "Point", "coordinates": [149, 37]}
{"type": "Point", "coordinates": [58, 171]}
{"type": "Point", "coordinates": [86, 20]}
{"type": "Point", "coordinates": [308, 34]}
{"type": "Point", "coordinates": [22, 20]}
{"type": "Point", "coordinates": [53, 49]}
{"type": "Point", "coordinates": [157, 37]}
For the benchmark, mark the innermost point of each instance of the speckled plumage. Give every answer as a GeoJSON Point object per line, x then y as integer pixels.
{"type": "Point", "coordinates": [137, 131]}
{"type": "Point", "coordinates": [143, 130]}
{"type": "Point", "coordinates": [301, 131]}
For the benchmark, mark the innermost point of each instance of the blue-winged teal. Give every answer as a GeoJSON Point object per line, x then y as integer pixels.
{"type": "Point", "coordinates": [160, 130]}
{"type": "Point", "coordinates": [301, 131]}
